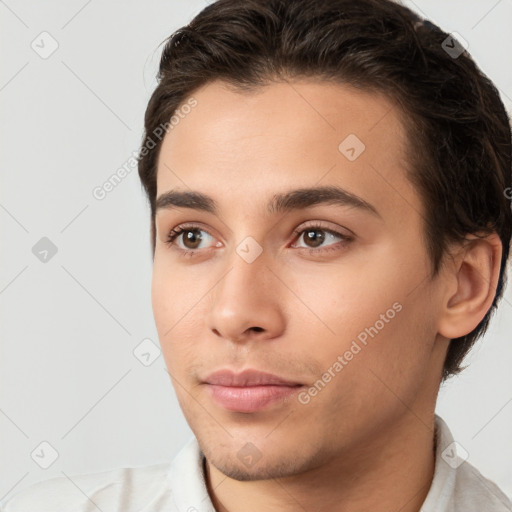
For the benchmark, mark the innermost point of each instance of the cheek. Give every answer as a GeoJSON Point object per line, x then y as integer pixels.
{"type": "Point", "coordinates": [161, 288]}
{"type": "Point", "coordinates": [338, 306]}
{"type": "Point", "coordinates": [178, 301]}
{"type": "Point", "coordinates": [390, 369]}
{"type": "Point", "coordinates": [380, 330]}
{"type": "Point", "coordinates": [174, 294]}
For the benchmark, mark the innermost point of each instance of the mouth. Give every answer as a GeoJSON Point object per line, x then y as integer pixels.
{"type": "Point", "coordinates": [250, 398]}
{"type": "Point", "coordinates": [250, 390]}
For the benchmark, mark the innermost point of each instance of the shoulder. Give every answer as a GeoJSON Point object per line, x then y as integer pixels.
{"type": "Point", "coordinates": [126, 489]}
{"type": "Point", "coordinates": [473, 491]}
{"type": "Point", "coordinates": [457, 486]}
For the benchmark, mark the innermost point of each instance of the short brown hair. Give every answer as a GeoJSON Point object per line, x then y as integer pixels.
{"type": "Point", "coordinates": [459, 137]}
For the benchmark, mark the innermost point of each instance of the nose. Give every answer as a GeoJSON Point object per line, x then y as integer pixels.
{"type": "Point", "coordinates": [246, 303]}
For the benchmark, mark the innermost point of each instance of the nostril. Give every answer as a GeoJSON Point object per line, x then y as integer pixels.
{"type": "Point", "coordinates": [257, 329]}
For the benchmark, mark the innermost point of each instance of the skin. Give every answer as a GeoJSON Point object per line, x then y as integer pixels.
{"type": "Point", "coordinates": [366, 440]}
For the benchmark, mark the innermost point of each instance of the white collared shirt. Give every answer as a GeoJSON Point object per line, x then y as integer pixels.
{"type": "Point", "coordinates": [179, 486]}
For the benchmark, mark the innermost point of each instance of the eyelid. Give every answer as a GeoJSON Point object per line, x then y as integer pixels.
{"type": "Point", "coordinates": [327, 226]}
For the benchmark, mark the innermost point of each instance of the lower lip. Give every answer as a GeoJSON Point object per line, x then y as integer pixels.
{"type": "Point", "coordinates": [249, 398]}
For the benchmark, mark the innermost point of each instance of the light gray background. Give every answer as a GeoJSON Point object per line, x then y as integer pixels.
{"type": "Point", "coordinates": [69, 326]}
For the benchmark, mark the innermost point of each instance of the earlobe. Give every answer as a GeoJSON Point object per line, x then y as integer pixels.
{"type": "Point", "coordinates": [476, 273]}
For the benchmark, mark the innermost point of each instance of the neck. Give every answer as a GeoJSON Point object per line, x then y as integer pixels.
{"type": "Point", "coordinates": [391, 471]}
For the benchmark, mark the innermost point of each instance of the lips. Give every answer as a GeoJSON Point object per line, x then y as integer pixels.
{"type": "Point", "coordinates": [247, 378]}
{"type": "Point", "coordinates": [249, 391]}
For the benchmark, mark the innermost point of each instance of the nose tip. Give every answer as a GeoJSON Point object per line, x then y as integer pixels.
{"type": "Point", "coordinates": [245, 305]}
{"type": "Point", "coordinates": [230, 330]}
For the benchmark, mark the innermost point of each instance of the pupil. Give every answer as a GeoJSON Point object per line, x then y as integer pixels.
{"type": "Point", "coordinates": [192, 236]}
{"type": "Point", "coordinates": [312, 236]}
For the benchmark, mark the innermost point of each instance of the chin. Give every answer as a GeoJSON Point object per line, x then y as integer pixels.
{"type": "Point", "coordinates": [237, 471]}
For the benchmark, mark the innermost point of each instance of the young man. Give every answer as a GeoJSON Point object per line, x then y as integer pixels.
{"type": "Point", "coordinates": [330, 231]}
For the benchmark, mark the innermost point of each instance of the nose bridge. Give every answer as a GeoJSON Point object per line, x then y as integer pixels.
{"type": "Point", "coordinates": [246, 278]}
{"type": "Point", "coordinates": [245, 297]}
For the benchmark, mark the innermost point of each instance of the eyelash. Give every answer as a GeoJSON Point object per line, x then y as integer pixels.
{"type": "Point", "coordinates": [177, 231]}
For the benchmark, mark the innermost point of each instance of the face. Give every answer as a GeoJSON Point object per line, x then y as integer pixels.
{"type": "Point", "coordinates": [327, 289]}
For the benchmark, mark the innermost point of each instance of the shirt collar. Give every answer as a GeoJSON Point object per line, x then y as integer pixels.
{"type": "Point", "coordinates": [186, 479]}
{"type": "Point", "coordinates": [441, 489]}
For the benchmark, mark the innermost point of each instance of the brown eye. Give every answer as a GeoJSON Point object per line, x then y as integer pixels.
{"type": "Point", "coordinates": [191, 238]}
{"type": "Point", "coordinates": [317, 238]}
{"type": "Point", "coordinates": [314, 237]}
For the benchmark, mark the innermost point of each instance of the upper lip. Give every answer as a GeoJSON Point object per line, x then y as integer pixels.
{"type": "Point", "coordinates": [247, 378]}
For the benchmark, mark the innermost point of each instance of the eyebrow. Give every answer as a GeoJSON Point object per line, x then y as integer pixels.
{"type": "Point", "coordinates": [280, 203]}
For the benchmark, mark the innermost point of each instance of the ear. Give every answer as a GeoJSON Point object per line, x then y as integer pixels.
{"type": "Point", "coordinates": [471, 285]}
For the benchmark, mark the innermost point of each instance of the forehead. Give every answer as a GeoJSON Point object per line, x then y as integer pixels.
{"type": "Point", "coordinates": [284, 135]}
